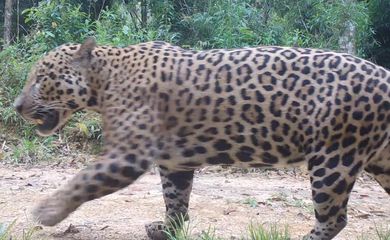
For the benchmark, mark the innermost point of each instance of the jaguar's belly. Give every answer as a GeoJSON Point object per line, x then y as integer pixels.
{"type": "Point", "coordinates": [240, 150]}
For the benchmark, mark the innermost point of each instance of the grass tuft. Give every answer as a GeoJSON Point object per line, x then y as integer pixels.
{"type": "Point", "coordinates": [183, 230]}
{"type": "Point", "coordinates": [381, 232]}
{"type": "Point", "coordinates": [272, 232]}
{"type": "Point", "coordinates": [180, 229]}
{"type": "Point", "coordinates": [6, 232]}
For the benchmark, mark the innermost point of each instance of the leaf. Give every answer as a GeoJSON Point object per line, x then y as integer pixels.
{"type": "Point", "coordinates": [50, 34]}
{"type": "Point", "coordinates": [83, 128]}
{"type": "Point", "coordinates": [125, 30]}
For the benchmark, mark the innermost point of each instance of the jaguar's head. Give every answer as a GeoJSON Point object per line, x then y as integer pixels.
{"type": "Point", "coordinates": [56, 87]}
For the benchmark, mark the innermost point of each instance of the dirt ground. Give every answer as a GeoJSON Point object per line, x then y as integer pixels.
{"type": "Point", "coordinates": [227, 200]}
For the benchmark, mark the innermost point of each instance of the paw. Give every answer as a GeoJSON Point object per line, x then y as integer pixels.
{"type": "Point", "coordinates": [51, 211]}
{"type": "Point", "coordinates": [156, 230]}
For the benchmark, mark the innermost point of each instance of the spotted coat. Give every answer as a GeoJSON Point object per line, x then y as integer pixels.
{"type": "Point", "coordinates": [183, 109]}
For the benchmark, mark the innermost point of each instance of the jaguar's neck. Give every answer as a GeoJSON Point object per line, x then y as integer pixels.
{"type": "Point", "coordinates": [107, 66]}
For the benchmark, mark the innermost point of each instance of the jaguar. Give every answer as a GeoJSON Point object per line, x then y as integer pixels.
{"type": "Point", "coordinates": [180, 109]}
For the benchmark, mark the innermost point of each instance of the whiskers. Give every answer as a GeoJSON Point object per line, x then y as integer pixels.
{"type": "Point", "coordinates": [41, 109]}
{"type": "Point", "coordinates": [52, 104]}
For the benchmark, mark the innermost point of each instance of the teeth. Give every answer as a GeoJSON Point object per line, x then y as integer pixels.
{"type": "Point", "coordinates": [39, 121]}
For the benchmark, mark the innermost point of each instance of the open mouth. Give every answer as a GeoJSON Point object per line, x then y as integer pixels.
{"type": "Point", "coordinates": [48, 122]}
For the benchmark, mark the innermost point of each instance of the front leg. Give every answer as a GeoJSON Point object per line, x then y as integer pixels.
{"type": "Point", "coordinates": [111, 173]}
{"type": "Point", "coordinates": [332, 182]}
{"type": "Point", "coordinates": [128, 154]}
{"type": "Point", "coordinates": [177, 186]}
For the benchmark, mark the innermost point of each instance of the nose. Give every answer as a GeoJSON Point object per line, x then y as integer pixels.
{"type": "Point", "coordinates": [18, 104]}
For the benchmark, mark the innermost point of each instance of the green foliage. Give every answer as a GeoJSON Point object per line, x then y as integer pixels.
{"type": "Point", "coordinates": [32, 151]}
{"type": "Point", "coordinates": [307, 23]}
{"type": "Point", "coordinates": [224, 24]}
{"type": "Point", "coordinates": [55, 23]}
{"type": "Point", "coordinates": [252, 202]}
{"type": "Point", "coordinates": [379, 12]}
{"type": "Point", "coordinates": [120, 26]}
{"type": "Point", "coordinates": [115, 27]}
{"type": "Point", "coordinates": [14, 69]}
{"type": "Point", "coordinates": [85, 128]}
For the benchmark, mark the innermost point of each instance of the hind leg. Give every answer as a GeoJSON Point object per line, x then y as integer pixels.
{"type": "Point", "coordinates": [332, 180]}
{"type": "Point", "coordinates": [380, 170]}
{"type": "Point", "coordinates": [177, 186]}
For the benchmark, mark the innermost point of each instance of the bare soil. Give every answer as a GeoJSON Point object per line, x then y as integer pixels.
{"type": "Point", "coordinates": [227, 200]}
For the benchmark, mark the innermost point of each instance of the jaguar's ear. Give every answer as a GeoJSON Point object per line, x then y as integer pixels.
{"type": "Point", "coordinates": [83, 56]}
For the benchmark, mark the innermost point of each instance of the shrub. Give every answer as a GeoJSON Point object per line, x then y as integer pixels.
{"type": "Point", "coordinates": [56, 22]}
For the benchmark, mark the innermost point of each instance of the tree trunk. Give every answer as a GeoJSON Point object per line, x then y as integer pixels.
{"type": "Point", "coordinates": [347, 39]}
{"type": "Point", "coordinates": [8, 22]}
{"type": "Point", "coordinates": [144, 14]}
